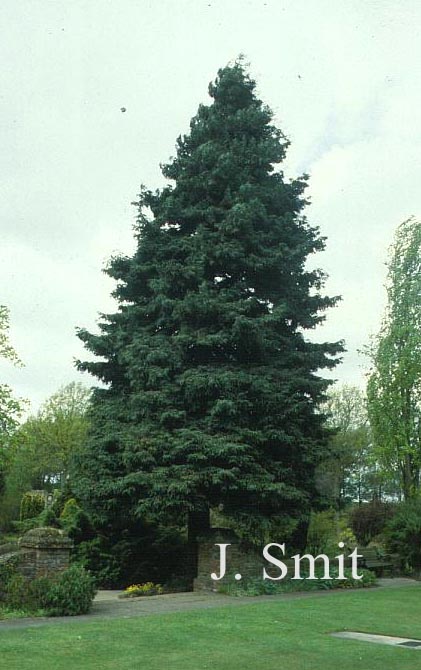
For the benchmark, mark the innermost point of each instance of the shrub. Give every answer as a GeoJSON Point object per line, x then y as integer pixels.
{"type": "Point", "coordinates": [8, 570]}
{"type": "Point", "coordinates": [95, 557]}
{"type": "Point", "coordinates": [31, 505]}
{"type": "Point", "coordinates": [403, 533]}
{"type": "Point", "coordinates": [76, 522]}
{"type": "Point", "coordinates": [68, 594]}
{"type": "Point", "coordinates": [368, 579]}
{"type": "Point", "coordinates": [71, 593]}
{"type": "Point", "coordinates": [259, 587]}
{"type": "Point", "coordinates": [17, 593]}
{"type": "Point", "coordinates": [369, 519]}
{"type": "Point", "coordinates": [326, 530]}
{"type": "Point", "coordinates": [47, 519]}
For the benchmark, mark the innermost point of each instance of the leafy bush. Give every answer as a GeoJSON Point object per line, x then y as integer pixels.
{"type": "Point", "coordinates": [8, 570]}
{"type": "Point", "coordinates": [17, 594]}
{"type": "Point", "coordinates": [67, 594]}
{"type": "Point", "coordinates": [47, 519]}
{"type": "Point", "coordinates": [31, 505]}
{"type": "Point", "coordinates": [71, 593]}
{"type": "Point", "coordinates": [326, 530]}
{"type": "Point", "coordinates": [370, 519]}
{"type": "Point", "coordinates": [259, 587]}
{"type": "Point", "coordinates": [76, 522]}
{"type": "Point", "coordinates": [368, 579]}
{"type": "Point", "coordinates": [403, 533]}
{"type": "Point", "coordinates": [27, 595]}
{"type": "Point", "coordinates": [95, 557]}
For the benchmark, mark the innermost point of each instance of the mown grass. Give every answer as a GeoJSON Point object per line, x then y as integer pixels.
{"type": "Point", "coordinates": [285, 633]}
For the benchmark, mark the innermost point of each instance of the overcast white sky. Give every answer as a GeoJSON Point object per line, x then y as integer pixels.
{"type": "Point", "coordinates": [343, 79]}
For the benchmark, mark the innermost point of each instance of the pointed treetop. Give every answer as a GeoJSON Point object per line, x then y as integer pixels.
{"type": "Point", "coordinates": [233, 86]}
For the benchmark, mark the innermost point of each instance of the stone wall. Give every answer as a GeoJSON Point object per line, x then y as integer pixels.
{"type": "Point", "coordinates": [240, 559]}
{"type": "Point", "coordinates": [41, 552]}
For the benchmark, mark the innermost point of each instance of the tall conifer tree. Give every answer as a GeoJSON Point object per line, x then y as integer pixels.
{"type": "Point", "coordinates": [212, 387]}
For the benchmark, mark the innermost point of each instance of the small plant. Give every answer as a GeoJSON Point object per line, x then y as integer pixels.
{"type": "Point", "coordinates": [147, 589]}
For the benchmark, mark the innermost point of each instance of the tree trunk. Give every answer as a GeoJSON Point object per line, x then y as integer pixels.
{"type": "Point", "coordinates": [410, 478]}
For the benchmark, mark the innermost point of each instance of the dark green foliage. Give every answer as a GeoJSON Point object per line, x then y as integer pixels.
{"type": "Point", "coordinates": [27, 595]}
{"type": "Point", "coordinates": [212, 385]}
{"type": "Point", "coordinates": [76, 523]}
{"type": "Point", "coordinates": [139, 554]}
{"type": "Point", "coordinates": [260, 587]}
{"type": "Point", "coordinates": [71, 593]}
{"type": "Point", "coordinates": [403, 533]}
{"type": "Point", "coordinates": [60, 497]}
{"type": "Point", "coordinates": [8, 570]}
{"type": "Point", "coordinates": [47, 518]}
{"type": "Point", "coordinates": [369, 519]}
{"type": "Point", "coordinates": [31, 505]}
{"type": "Point", "coordinates": [68, 594]}
{"type": "Point", "coordinates": [96, 556]}
{"type": "Point", "coordinates": [17, 592]}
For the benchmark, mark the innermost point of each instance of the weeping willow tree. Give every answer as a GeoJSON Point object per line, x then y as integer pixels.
{"type": "Point", "coordinates": [394, 386]}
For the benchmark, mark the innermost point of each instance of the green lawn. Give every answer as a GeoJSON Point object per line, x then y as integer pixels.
{"type": "Point", "coordinates": [292, 634]}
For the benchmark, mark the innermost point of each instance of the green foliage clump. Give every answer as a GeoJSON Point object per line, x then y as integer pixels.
{"type": "Point", "coordinates": [8, 570]}
{"type": "Point", "coordinates": [99, 558]}
{"type": "Point", "coordinates": [370, 519]}
{"type": "Point", "coordinates": [326, 530]}
{"type": "Point", "coordinates": [32, 504]}
{"type": "Point", "coordinates": [71, 593]}
{"type": "Point", "coordinates": [76, 522]}
{"type": "Point", "coordinates": [67, 594]}
{"type": "Point", "coordinates": [368, 579]}
{"type": "Point", "coordinates": [48, 519]}
{"type": "Point", "coordinates": [403, 533]}
{"type": "Point", "coordinates": [260, 587]}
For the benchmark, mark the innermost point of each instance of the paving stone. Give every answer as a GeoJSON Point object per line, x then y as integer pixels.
{"type": "Point", "coordinates": [379, 639]}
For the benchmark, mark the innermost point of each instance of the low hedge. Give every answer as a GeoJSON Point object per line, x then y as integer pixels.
{"type": "Point", "coordinates": [68, 594]}
{"type": "Point", "coordinates": [260, 587]}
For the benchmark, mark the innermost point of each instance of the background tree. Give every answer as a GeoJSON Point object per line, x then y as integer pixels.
{"type": "Point", "coordinates": [43, 445]}
{"type": "Point", "coordinates": [56, 432]}
{"type": "Point", "coordinates": [394, 386]}
{"type": "Point", "coordinates": [352, 473]}
{"type": "Point", "coordinates": [212, 386]}
{"type": "Point", "coordinates": [11, 408]}
{"type": "Point", "coordinates": [349, 474]}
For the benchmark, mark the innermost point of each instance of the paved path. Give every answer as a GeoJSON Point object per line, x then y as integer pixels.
{"type": "Point", "coordinates": [107, 605]}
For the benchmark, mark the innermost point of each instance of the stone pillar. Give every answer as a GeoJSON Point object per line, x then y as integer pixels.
{"type": "Point", "coordinates": [240, 559]}
{"type": "Point", "coordinates": [44, 552]}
